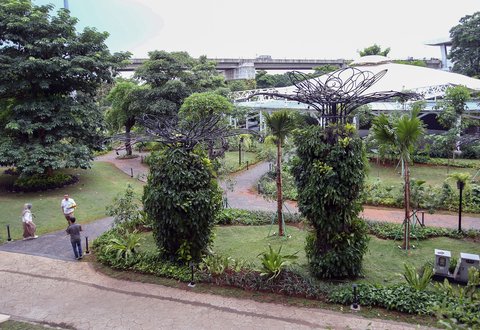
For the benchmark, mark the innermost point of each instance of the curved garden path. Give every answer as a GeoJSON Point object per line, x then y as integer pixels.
{"type": "Point", "coordinates": [245, 196]}
{"type": "Point", "coordinates": [40, 282]}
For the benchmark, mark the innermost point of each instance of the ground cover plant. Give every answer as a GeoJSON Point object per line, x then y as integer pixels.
{"type": "Point", "coordinates": [263, 266]}
{"type": "Point", "coordinates": [384, 187]}
{"type": "Point", "coordinates": [95, 189]}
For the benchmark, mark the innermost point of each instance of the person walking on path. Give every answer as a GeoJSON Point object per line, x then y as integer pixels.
{"type": "Point", "coordinates": [74, 230]}
{"type": "Point", "coordinates": [27, 220]}
{"type": "Point", "coordinates": [68, 206]}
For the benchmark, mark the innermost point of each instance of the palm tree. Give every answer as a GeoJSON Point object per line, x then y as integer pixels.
{"type": "Point", "coordinates": [281, 124]}
{"type": "Point", "coordinates": [402, 134]}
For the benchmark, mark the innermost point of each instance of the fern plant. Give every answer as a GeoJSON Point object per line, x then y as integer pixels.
{"type": "Point", "coordinates": [418, 281]}
{"type": "Point", "coordinates": [273, 262]}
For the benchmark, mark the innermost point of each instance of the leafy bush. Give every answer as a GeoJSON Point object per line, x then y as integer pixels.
{"type": "Point", "coordinates": [401, 297]}
{"type": "Point", "coordinates": [273, 262]}
{"type": "Point", "coordinates": [182, 198]}
{"type": "Point", "coordinates": [41, 182]}
{"type": "Point", "coordinates": [217, 264]}
{"type": "Point", "coordinates": [153, 263]}
{"type": "Point", "coordinates": [124, 246]}
{"type": "Point", "coordinates": [111, 249]}
{"type": "Point", "coordinates": [459, 307]}
{"type": "Point", "coordinates": [268, 186]}
{"type": "Point", "coordinates": [387, 230]}
{"type": "Point", "coordinates": [126, 212]}
{"type": "Point", "coordinates": [330, 172]}
{"type": "Point", "coordinates": [418, 281]}
{"type": "Point", "coordinates": [253, 218]}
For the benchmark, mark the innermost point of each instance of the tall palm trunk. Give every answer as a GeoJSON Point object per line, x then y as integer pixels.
{"type": "Point", "coordinates": [279, 188]}
{"type": "Point", "coordinates": [406, 228]}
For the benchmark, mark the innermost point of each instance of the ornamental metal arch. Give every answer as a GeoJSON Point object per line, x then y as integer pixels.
{"type": "Point", "coordinates": [335, 95]}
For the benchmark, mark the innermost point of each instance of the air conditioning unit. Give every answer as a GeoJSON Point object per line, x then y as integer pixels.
{"type": "Point", "coordinates": [442, 262]}
{"type": "Point", "coordinates": [466, 261]}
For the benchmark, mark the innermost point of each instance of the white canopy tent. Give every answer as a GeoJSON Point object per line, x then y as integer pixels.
{"type": "Point", "coordinates": [431, 83]}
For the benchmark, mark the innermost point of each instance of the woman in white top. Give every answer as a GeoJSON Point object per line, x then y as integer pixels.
{"type": "Point", "coordinates": [27, 219]}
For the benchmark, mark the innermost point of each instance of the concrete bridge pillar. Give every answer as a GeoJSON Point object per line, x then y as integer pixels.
{"type": "Point", "coordinates": [244, 70]}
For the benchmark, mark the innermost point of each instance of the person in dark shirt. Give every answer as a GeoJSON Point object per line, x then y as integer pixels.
{"type": "Point", "coordinates": [74, 230]}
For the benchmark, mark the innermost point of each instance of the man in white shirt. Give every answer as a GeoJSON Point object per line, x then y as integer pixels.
{"type": "Point", "coordinates": [68, 207]}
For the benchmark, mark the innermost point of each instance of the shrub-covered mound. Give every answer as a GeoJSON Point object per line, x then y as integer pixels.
{"type": "Point", "coordinates": [40, 182]}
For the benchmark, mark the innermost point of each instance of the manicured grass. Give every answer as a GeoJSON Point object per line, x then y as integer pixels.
{"type": "Point", "coordinates": [383, 263]}
{"type": "Point", "coordinates": [95, 190]}
{"type": "Point", "coordinates": [231, 160]}
{"type": "Point", "coordinates": [433, 175]}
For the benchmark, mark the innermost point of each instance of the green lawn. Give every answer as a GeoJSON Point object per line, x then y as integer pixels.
{"type": "Point", "coordinates": [383, 262]}
{"type": "Point", "coordinates": [92, 193]}
{"type": "Point", "coordinates": [231, 160]}
{"type": "Point", "coordinates": [433, 175]}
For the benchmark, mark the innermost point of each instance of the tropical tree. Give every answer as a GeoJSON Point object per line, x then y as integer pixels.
{"type": "Point", "coordinates": [124, 108]}
{"type": "Point", "coordinates": [49, 117]}
{"type": "Point", "coordinates": [465, 52]}
{"type": "Point", "coordinates": [281, 124]}
{"type": "Point", "coordinates": [374, 50]}
{"type": "Point", "coordinates": [401, 133]}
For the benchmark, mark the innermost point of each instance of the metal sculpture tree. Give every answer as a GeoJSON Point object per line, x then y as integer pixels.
{"type": "Point", "coordinates": [330, 169]}
{"type": "Point", "coordinates": [337, 94]}
{"type": "Point", "coordinates": [175, 133]}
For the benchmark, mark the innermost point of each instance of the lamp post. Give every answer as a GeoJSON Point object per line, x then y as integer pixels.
{"type": "Point", "coordinates": [355, 306]}
{"type": "Point", "coordinates": [65, 4]}
{"type": "Point", "coordinates": [192, 281]}
{"type": "Point", "coordinates": [460, 186]}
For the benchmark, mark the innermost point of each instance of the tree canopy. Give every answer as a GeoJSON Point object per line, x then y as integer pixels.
{"type": "Point", "coordinates": [124, 108]}
{"type": "Point", "coordinates": [374, 50]}
{"type": "Point", "coordinates": [173, 77]}
{"type": "Point", "coordinates": [465, 52]}
{"type": "Point", "coordinates": [50, 74]}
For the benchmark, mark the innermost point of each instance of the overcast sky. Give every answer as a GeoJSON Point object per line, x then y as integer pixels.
{"type": "Point", "coordinates": [283, 29]}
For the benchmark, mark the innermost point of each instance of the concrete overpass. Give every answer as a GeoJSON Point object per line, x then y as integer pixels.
{"type": "Point", "coordinates": [241, 68]}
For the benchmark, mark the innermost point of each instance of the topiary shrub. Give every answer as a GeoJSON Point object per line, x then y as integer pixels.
{"type": "Point", "coordinates": [329, 172]}
{"type": "Point", "coordinates": [182, 198]}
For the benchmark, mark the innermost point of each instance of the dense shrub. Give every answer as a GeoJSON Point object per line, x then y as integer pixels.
{"type": "Point", "coordinates": [144, 262]}
{"type": "Point", "coordinates": [253, 218]}
{"type": "Point", "coordinates": [401, 297]}
{"type": "Point", "coordinates": [386, 230]}
{"type": "Point", "coordinates": [329, 172]}
{"type": "Point", "coordinates": [41, 182]}
{"type": "Point", "coordinates": [182, 198]}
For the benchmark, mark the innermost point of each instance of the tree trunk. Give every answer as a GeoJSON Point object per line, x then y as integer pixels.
{"type": "Point", "coordinates": [279, 189]}
{"type": "Point", "coordinates": [128, 140]}
{"type": "Point", "coordinates": [406, 228]}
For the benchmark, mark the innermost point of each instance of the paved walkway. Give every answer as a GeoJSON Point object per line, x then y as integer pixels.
{"type": "Point", "coordinates": [245, 196]}
{"type": "Point", "coordinates": [41, 282]}
{"type": "Point", "coordinates": [74, 295]}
